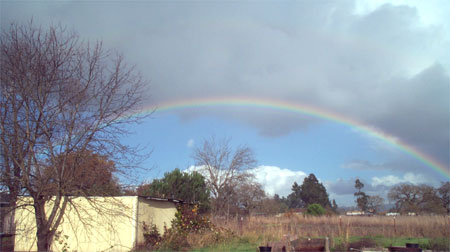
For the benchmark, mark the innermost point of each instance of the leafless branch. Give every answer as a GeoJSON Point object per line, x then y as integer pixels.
{"type": "Point", "coordinates": [59, 97]}
{"type": "Point", "coordinates": [224, 168]}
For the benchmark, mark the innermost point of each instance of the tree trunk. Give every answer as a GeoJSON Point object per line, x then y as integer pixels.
{"type": "Point", "coordinates": [43, 243]}
{"type": "Point", "coordinates": [43, 233]}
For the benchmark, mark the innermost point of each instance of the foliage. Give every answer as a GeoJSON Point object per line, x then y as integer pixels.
{"type": "Point", "coordinates": [189, 228]}
{"type": "Point", "coordinates": [61, 240]}
{"type": "Point", "coordinates": [246, 197]}
{"type": "Point", "coordinates": [315, 210]}
{"type": "Point", "coordinates": [151, 235]}
{"type": "Point", "coordinates": [173, 241]}
{"type": "Point", "coordinates": [294, 199]}
{"type": "Point", "coordinates": [361, 198]}
{"type": "Point", "coordinates": [359, 185]}
{"type": "Point", "coordinates": [314, 192]}
{"type": "Point", "coordinates": [416, 198]}
{"type": "Point", "coordinates": [187, 219]}
{"type": "Point", "coordinates": [281, 204]}
{"type": "Point", "coordinates": [310, 192]}
{"type": "Point", "coordinates": [85, 174]}
{"type": "Point", "coordinates": [188, 187]}
{"type": "Point", "coordinates": [272, 206]}
{"type": "Point", "coordinates": [334, 206]}
{"type": "Point", "coordinates": [365, 202]}
{"type": "Point", "coordinates": [444, 193]}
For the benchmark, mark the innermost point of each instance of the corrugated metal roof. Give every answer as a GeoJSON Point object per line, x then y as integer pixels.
{"type": "Point", "coordinates": [164, 199]}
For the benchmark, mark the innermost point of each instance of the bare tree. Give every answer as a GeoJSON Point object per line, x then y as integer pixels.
{"type": "Point", "coordinates": [223, 168]}
{"type": "Point", "coordinates": [375, 203]}
{"type": "Point", "coordinates": [59, 96]}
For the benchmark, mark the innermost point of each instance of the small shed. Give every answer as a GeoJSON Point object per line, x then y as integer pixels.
{"type": "Point", "coordinates": [98, 223]}
{"type": "Point", "coordinates": [6, 223]}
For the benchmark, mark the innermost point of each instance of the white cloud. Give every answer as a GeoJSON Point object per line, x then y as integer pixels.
{"type": "Point", "coordinates": [391, 180]}
{"type": "Point", "coordinates": [276, 180]}
{"type": "Point", "coordinates": [430, 14]}
{"type": "Point", "coordinates": [199, 169]}
{"type": "Point", "coordinates": [190, 143]}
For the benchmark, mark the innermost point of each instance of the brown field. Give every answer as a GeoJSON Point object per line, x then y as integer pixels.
{"type": "Point", "coordinates": [277, 228]}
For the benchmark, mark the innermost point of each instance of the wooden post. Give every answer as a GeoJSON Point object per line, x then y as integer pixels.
{"type": "Point", "coordinates": [395, 227]}
{"type": "Point", "coordinates": [240, 223]}
{"type": "Point", "coordinates": [327, 244]}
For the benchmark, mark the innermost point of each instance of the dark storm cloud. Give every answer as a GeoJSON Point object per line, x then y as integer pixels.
{"type": "Point", "coordinates": [383, 68]}
{"type": "Point", "coordinates": [419, 114]}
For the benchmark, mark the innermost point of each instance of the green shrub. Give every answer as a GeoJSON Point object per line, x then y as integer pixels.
{"type": "Point", "coordinates": [188, 219]}
{"type": "Point", "coordinates": [190, 229]}
{"type": "Point", "coordinates": [315, 210]}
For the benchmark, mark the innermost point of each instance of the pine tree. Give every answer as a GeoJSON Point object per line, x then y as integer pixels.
{"type": "Point", "coordinates": [312, 191]}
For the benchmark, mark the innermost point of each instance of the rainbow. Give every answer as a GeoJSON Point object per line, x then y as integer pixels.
{"type": "Point", "coordinates": [304, 110]}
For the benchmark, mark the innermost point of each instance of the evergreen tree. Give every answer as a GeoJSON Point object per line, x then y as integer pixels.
{"type": "Point", "coordinates": [294, 199]}
{"type": "Point", "coordinates": [313, 192]}
{"type": "Point", "coordinates": [189, 187]}
{"type": "Point", "coordinates": [334, 206]}
{"type": "Point", "coordinates": [362, 200]}
{"type": "Point", "coordinates": [310, 192]}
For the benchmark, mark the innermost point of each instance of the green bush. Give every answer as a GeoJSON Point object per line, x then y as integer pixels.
{"type": "Point", "coordinates": [315, 210]}
{"type": "Point", "coordinates": [188, 219]}
{"type": "Point", "coordinates": [190, 229]}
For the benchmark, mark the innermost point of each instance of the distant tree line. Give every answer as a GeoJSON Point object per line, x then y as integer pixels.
{"type": "Point", "coordinates": [241, 195]}
{"type": "Point", "coordinates": [422, 199]}
{"type": "Point", "coordinates": [408, 198]}
{"type": "Point", "coordinates": [236, 193]}
{"type": "Point", "coordinates": [223, 185]}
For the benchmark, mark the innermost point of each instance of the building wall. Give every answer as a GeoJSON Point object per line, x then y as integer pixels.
{"type": "Point", "coordinates": [95, 224]}
{"type": "Point", "coordinates": [6, 228]}
{"type": "Point", "coordinates": [159, 213]}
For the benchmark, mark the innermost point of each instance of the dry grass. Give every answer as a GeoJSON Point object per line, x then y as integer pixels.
{"type": "Point", "coordinates": [270, 229]}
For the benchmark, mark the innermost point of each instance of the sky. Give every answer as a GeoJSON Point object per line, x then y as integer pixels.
{"type": "Point", "coordinates": [383, 66]}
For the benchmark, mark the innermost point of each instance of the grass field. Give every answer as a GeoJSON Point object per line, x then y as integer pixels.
{"type": "Point", "coordinates": [430, 232]}
{"type": "Point", "coordinates": [242, 244]}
